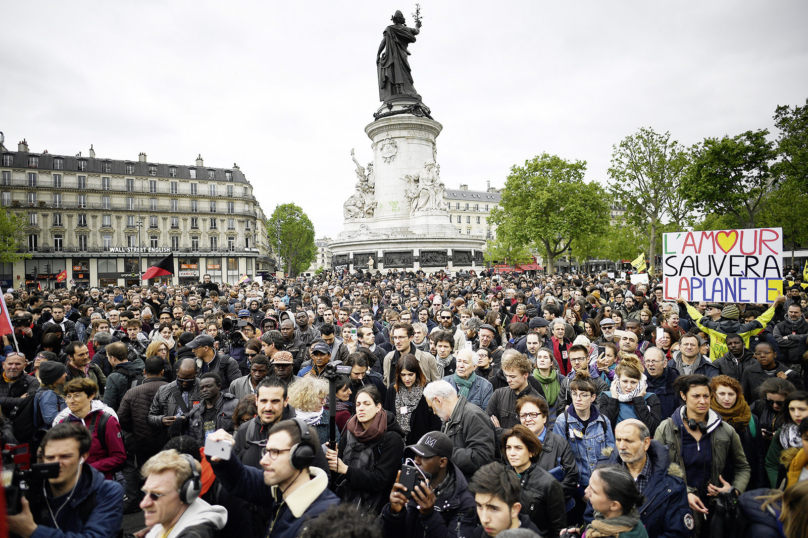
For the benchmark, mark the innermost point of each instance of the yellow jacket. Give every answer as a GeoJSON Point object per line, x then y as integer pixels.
{"type": "Point", "coordinates": [718, 330]}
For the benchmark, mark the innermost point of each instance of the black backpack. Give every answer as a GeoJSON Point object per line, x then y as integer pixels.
{"type": "Point", "coordinates": [22, 419]}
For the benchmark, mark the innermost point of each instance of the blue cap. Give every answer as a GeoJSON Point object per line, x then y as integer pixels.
{"type": "Point", "coordinates": [244, 313]}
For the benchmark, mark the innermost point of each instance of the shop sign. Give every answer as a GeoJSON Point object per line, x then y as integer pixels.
{"type": "Point", "coordinates": [141, 250]}
{"type": "Point", "coordinates": [189, 273]}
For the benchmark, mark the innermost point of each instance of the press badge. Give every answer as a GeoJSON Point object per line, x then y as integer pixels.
{"type": "Point", "coordinates": [404, 410]}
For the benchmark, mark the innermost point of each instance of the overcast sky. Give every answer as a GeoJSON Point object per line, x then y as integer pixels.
{"type": "Point", "coordinates": [286, 89]}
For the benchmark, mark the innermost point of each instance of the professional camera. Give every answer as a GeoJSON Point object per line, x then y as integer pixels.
{"type": "Point", "coordinates": [335, 369]}
{"type": "Point", "coordinates": [19, 321]}
{"type": "Point", "coordinates": [232, 331]}
{"type": "Point", "coordinates": [18, 481]}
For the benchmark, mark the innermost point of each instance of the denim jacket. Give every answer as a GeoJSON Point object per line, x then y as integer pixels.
{"type": "Point", "coordinates": [591, 447]}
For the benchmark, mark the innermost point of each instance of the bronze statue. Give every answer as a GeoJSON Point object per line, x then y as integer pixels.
{"type": "Point", "coordinates": [393, 67]}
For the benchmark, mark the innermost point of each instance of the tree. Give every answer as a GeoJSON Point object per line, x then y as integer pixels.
{"type": "Point", "coordinates": [293, 235]}
{"type": "Point", "coordinates": [785, 208]}
{"type": "Point", "coordinates": [546, 205]}
{"type": "Point", "coordinates": [647, 169]}
{"type": "Point", "coordinates": [620, 241]}
{"type": "Point", "coordinates": [12, 227]}
{"type": "Point", "coordinates": [732, 175]}
{"type": "Point", "coordinates": [792, 144]}
{"type": "Point", "coordinates": [501, 249]}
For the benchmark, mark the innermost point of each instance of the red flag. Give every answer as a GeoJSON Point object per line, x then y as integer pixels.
{"type": "Point", "coordinates": [164, 267]}
{"type": "Point", "coordinates": [61, 276]}
{"type": "Point", "coordinates": [5, 319]}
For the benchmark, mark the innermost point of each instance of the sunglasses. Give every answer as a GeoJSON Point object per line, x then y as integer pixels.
{"type": "Point", "coordinates": [154, 496]}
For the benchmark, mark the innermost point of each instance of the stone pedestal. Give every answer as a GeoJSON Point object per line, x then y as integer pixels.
{"type": "Point", "coordinates": [401, 227]}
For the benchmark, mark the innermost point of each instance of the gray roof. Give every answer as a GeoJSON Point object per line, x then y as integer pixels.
{"type": "Point", "coordinates": [473, 196]}
{"type": "Point", "coordinates": [117, 167]}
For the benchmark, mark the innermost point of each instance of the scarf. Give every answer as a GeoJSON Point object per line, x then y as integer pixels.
{"type": "Point", "coordinates": [407, 400]}
{"type": "Point", "coordinates": [560, 352]}
{"type": "Point", "coordinates": [312, 418]}
{"type": "Point", "coordinates": [549, 384]}
{"type": "Point", "coordinates": [790, 436]}
{"type": "Point", "coordinates": [625, 398]}
{"type": "Point", "coordinates": [374, 432]}
{"type": "Point", "coordinates": [443, 363]}
{"type": "Point", "coordinates": [737, 415]}
{"type": "Point", "coordinates": [159, 338]}
{"type": "Point", "coordinates": [464, 385]}
{"type": "Point", "coordinates": [799, 462]}
{"type": "Point", "coordinates": [601, 527]}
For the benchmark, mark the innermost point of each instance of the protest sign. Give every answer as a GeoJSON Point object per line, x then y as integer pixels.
{"type": "Point", "coordinates": [641, 278]}
{"type": "Point", "coordinates": [722, 266]}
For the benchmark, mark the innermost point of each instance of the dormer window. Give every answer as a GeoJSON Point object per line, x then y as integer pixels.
{"type": "Point", "coordinates": [106, 168]}
{"type": "Point", "coordinates": [81, 164]}
{"type": "Point", "coordinates": [58, 164]}
{"type": "Point", "coordinates": [192, 171]}
{"type": "Point", "coordinates": [130, 168]}
{"type": "Point", "coordinates": [152, 170]}
{"type": "Point", "coordinates": [33, 161]}
{"type": "Point", "coordinates": [211, 174]}
{"type": "Point", "coordinates": [228, 175]}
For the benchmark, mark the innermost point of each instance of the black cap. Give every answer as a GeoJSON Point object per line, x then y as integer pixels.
{"type": "Point", "coordinates": [489, 327]}
{"type": "Point", "coordinates": [203, 340]}
{"type": "Point", "coordinates": [538, 322]}
{"type": "Point", "coordinates": [433, 444]}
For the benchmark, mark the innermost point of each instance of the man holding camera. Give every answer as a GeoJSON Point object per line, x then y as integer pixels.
{"type": "Point", "coordinates": [78, 502]}
{"type": "Point", "coordinates": [412, 513]}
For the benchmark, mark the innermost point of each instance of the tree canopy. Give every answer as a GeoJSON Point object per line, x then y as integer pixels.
{"type": "Point", "coordinates": [291, 232]}
{"type": "Point", "coordinates": [12, 226]}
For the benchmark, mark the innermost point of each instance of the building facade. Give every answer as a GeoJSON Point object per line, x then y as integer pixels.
{"type": "Point", "coordinates": [469, 210]}
{"type": "Point", "coordinates": [105, 221]}
{"type": "Point", "coordinates": [323, 259]}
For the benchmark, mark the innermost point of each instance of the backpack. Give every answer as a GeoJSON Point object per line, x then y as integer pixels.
{"type": "Point", "coordinates": [133, 379]}
{"type": "Point", "coordinates": [22, 419]}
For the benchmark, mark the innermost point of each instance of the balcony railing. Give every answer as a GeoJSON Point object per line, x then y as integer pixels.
{"type": "Point", "coordinates": [117, 188]}
{"type": "Point", "coordinates": [124, 207]}
{"type": "Point", "coordinates": [201, 250]}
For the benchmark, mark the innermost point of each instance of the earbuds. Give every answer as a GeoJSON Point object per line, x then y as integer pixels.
{"type": "Point", "coordinates": [81, 461]}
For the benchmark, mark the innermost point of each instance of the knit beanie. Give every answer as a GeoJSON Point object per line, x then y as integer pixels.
{"type": "Point", "coordinates": [51, 371]}
{"type": "Point", "coordinates": [731, 312]}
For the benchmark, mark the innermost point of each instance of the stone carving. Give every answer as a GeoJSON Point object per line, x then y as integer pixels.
{"type": "Point", "coordinates": [340, 259]}
{"type": "Point", "coordinates": [364, 260]}
{"type": "Point", "coordinates": [388, 149]}
{"type": "Point", "coordinates": [364, 231]}
{"type": "Point", "coordinates": [425, 190]}
{"type": "Point", "coordinates": [434, 258]}
{"type": "Point", "coordinates": [398, 259]}
{"type": "Point", "coordinates": [461, 257]}
{"type": "Point", "coordinates": [362, 202]}
{"type": "Point", "coordinates": [392, 66]}
{"type": "Point", "coordinates": [419, 110]}
{"type": "Point", "coordinates": [479, 258]}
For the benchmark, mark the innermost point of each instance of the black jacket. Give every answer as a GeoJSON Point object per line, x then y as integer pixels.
{"type": "Point", "coordinates": [543, 500]}
{"type": "Point", "coordinates": [503, 406]}
{"type": "Point", "coordinates": [729, 365]}
{"type": "Point", "coordinates": [662, 386]}
{"type": "Point", "coordinates": [754, 376]}
{"type": "Point", "coordinates": [11, 393]}
{"type": "Point", "coordinates": [422, 420]}
{"type": "Point", "coordinates": [226, 367]}
{"type": "Point", "coordinates": [225, 407]}
{"type": "Point", "coordinates": [648, 409]}
{"type": "Point", "coordinates": [555, 452]}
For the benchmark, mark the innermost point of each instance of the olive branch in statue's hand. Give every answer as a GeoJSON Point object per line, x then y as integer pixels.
{"type": "Point", "coordinates": [417, 15]}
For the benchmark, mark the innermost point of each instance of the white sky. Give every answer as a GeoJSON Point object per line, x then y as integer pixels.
{"type": "Point", "coordinates": [286, 89]}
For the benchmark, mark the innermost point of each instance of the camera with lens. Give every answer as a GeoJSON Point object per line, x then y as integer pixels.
{"type": "Point", "coordinates": [231, 330]}
{"type": "Point", "coordinates": [19, 321]}
{"type": "Point", "coordinates": [19, 481]}
{"type": "Point", "coordinates": [335, 369]}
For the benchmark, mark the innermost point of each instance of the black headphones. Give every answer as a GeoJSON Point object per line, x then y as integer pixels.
{"type": "Point", "coordinates": [191, 488]}
{"type": "Point", "coordinates": [302, 454]}
{"type": "Point", "coordinates": [694, 425]}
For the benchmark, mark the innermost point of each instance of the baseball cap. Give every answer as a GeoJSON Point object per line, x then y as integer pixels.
{"type": "Point", "coordinates": [433, 444]}
{"type": "Point", "coordinates": [244, 313]}
{"type": "Point", "coordinates": [320, 348]}
{"type": "Point", "coordinates": [203, 340]}
{"type": "Point", "coordinates": [538, 322]}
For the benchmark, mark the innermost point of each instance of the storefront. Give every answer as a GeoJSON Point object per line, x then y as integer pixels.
{"type": "Point", "coordinates": [131, 268]}
{"type": "Point", "coordinates": [232, 271]}
{"type": "Point", "coordinates": [214, 269]}
{"type": "Point", "coordinates": [189, 271]}
{"type": "Point", "coordinates": [81, 272]}
{"type": "Point", "coordinates": [43, 272]}
{"type": "Point", "coordinates": [6, 275]}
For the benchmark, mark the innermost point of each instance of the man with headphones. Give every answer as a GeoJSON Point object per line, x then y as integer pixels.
{"type": "Point", "coordinates": [78, 502]}
{"type": "Point", "coordinates": [292, 489]}
{"type": "Point", "coordinates": [171, 504]}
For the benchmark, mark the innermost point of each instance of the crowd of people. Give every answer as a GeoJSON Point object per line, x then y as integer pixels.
{"type": "Point", "coordinates": [406, 404]}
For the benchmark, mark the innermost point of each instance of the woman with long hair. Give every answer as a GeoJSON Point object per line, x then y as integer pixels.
{"type": "Point", "coordinates": [788, 436]}
{"type": "Point", "coordinates": [728, 401]}
{"type": "Point", "coordinates": [592, 329]}
{"type": "Point", "coordinates": [405, 401]}
{"type": "Point", "coordinates": [778, 514]}
{"type": "Point", "coordinates": [161, 349]}
{"type": "Point", "coordinates": [614, 497]}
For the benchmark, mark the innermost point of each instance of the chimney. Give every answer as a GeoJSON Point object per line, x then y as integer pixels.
{"type": "Point", "coordinates": [464, 187]}
{"type": "Point", "coordinates": [92, 152]}
{"type": "Point", "coordinates": [488, 186]}
{"type": "Point", "coordinates": [235, 167]}
{"type": "Point", "coordinates": [142, 157]}
{"type": "Point", "coordinates": [199, 161]}
{"type": "Point", "coordinates": [23, 146]}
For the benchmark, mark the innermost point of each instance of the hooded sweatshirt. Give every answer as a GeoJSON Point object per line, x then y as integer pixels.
{"type": "Point", "coordinates": [198, 514]}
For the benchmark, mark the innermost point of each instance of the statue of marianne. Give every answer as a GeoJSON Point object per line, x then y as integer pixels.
{"type": "Point", "coordinates": [393, 67]}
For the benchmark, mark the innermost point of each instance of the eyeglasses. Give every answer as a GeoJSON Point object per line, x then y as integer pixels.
{"type": "Point", "coordinates": [534, 416]}
{"type": "Point", "coordinates": [154, 496]}
{"type": "Point", "coordinates": [446, 317]}
{"type": "Point", "coordinates": [251, 354]}
{"type": "Point", "coordinates": [774, 402]}
{"type": "Point", "coordinates": [273, 452]}
{"type": "Point", "coordinates": [580, 395]}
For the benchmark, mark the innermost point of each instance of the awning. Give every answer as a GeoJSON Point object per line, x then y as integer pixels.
{"type": "Point", "coordinates": [531, 267]}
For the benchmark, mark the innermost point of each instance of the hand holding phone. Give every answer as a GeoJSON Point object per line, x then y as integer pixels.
{"type": "Point", "coordinates": [216, 446]}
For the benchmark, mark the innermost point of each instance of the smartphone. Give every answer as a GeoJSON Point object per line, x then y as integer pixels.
{"type": "Point", "coordinates": [410, 477]}
{"type": "Point", "coordinates": [353, 332]}
{"type": "Point", "coordinates": [218, 449]}
{"type": "Point", "coordinates": [659, 332]}
{"type": "Point", "coordinates": [469, 345]}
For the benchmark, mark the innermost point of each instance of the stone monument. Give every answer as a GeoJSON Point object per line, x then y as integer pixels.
{"type": "Point", "coordinates": [397, 215]}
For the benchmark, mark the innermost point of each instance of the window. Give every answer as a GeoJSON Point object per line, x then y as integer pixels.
{"type": "Point", "coordinates": [247, 242]}
{"type": "Point", "coordinates": [214, 243]}
{"type": "Point", "coordinates": [33, 241]}
{"type": "Point", "coordinates": [231, 224]}
{"type": "Point", "coordinates": [172, 171]}
{"type": "Point", "coordinates": [31, 198]}
{"type": "Point", "coordinates": [212, 206]}
{"type": "Point", "coordinates": [211, 174]}
{"type": "Point", "coordinates": [82, 165]}
{"type": "Point", "coordinates": [194, 243]}
{"type": "Point", "coordinates": [6, 198]}
{"type": "Point", "coordinates": [152, 170]}
{"type": "Point", "coordinates": [457, 205]}
{"type": "Point", "coordinates": [486, 207]}
{"type": "Point", "coordinates": [57, 219]}
{"type": "Point", "coordinates": [459, 219]}
{"type": "Point", "coordinates": [212, 224]}
{"type": "Point", "coordinates": [193, 189]}
{"type": "Point", "coordinates": [106, 241]}
{"type": "Point", "coordinates": [106, 168]}
{"type": "Point", "coordinates": [175, 204]}
{"type": "Point", "coordinates": [152, 222]}
{"type": "Point", "coordinates": [6, 178]}
{"type": "Point", "coordinates": [230, 208]}
{"type": "Point", "coordinates": [82, 220]}
{"type": "Point", "coordinates": [105, 204]}
{"type": "Point", "coordinates": [175, 242]}
{"type": "Point", "coordinates": [32, 219]}
{"type": "Point", "coordinates": [104, 183]}
{"type": "Point", "coordinates": [106, 221]}
{"type": "Point", "coordinates": [153, 241]}
{"type": "Point", "coordinates": [212, 188]}
{"type": "Point", "coordinates": [174, 188]}
{"type": "Point", "coordinates": [467, 206]}
{"type": "Point", "coordinates": [247, 225]}
{"type": "Point", "coordinates": [231, 244]}
{"type": "Point", "coordinates": [33, 161]}
{"type": "Point", "coordinates": [83, 243]}
{"type": "Point", "coordinates": [468, 231]}
{"type": "Point", "coordinates": [468, 220]}
{"type": "Point", "coordinates": [130, 203]}
{"type": "Point", "coordinates": [8, 160]}
{"type": "Point", "coordinates": [192, 171]}
{"type": "Point", "coordinates": [478, 220]}
{"type": "Point", "coordinates": [57, 181]}
{"type": "Point", "coordinates": [152, 204]}
{"type": "Point", "coordinates": [130, 168]}
{"type": "Point", "coordinates": [130, 184]}
{"type": "Point", "coordinates": [194, 207]}
{"type": "Point", "coordinates": [32, 179]}
{"type": "Point", "coordinates": [152, 185]}
{"type": "Point", "coordinates": [130, 221]}
{"type": "Point", "coordinates": [476, 207]}
{"type": "Point", "coordinates": [175, 222]}
{"type": "Point", "coordinates": [228, 175]}
{"type": "Point", "coordinates": [58, 164]}
{"type": "Point", "coordinates": [230, 191]}
{"type": "Point", "coordinates": [82, 182]}
{"type": "Point", "coordinates": [57, 243]}
{"type": "Point", "coordinates": [131, 241]}
{"type": "Point", "coordinates": [82, 201]}
{"type": "Point", "coordinates": [195, 223]}
{"type": "Point", "coordinates": [57, 199]}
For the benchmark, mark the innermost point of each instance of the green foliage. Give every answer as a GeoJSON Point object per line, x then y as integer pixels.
{"type": "Point", "coordinates": [618, 242]}
{"type": "Point", "coordinates": [319, 270]}
{"type": "Point", "coordinates": [732, 175]}
{"type": "Point", "coordinates": [792, 144]}
{"type": "Point", "coordinates": [12, 231]}
{"type": "Point", "coordinates": [545, 206]}
{"type": "Point", "coordinates": [292, 234]}
{"type": "Point", "coordinates": [647, 169]}
{"type": "Point", "coordinates": [785, 208]}
{"type": "Point", "coordinates": [501, 251]}
{"type": "Point", "coordinates": [714, 221]}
